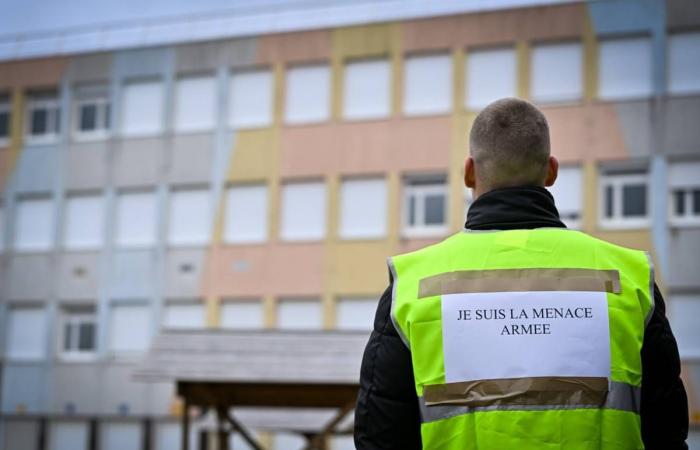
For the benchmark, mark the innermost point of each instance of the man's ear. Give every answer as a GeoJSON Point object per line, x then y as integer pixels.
{"type": "Point", "coordinates": [552, 171]}
{"type": "Point", "coordinates": [469, 176]}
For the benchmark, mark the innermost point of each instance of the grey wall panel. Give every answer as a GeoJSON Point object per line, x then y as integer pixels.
{"type": "Point", "coordinates": [209, 55]}
{"type": "Point", "coordinates": [78, 275]}
{"type": "Point", "coordinates": [132, 274]}
{"type": "Point", "coordinates": [123, 390]}
{"type": "Point", "coordinates": [685, 248]}
{"type": "Point", "coordinates": [682, 134]}
{"type": "Point", "coordinates": [20, 435]}
{"type": "Point", "coordinates": [161, 398]}
{"type": "Point", "coordinates": [23, 387]}
{"type": "Point", "coordinates": [37, 168]}
{"type": "Point", "coordinates": [78, 385]}
{"type": "Point", "coordinates": [184, 269]}
{"type": "Point", "coordinates": [88, 68]}
{"type": "Point", "coordinates": [190, 159]}
{"type": "Point", "coordinates": [24, 271]}
{"type": "Point", "coordinates": [137, 162]}
{"type": "Point", "coordinates": [86, 165]}
{"type": "Point", "coordinates": [142, 62]}
{"type": "Point", "coordinates": [636, 122]}
{"type": "Point", "coordinates": [682, 14]}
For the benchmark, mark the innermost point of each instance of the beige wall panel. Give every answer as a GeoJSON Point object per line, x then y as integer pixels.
{"type": "Point", "coordinates": [358, 267]}
{"type": "Point", "coordinates": [201, 56]}
{"type": "Point", "coordinates": [409, 245]}
{"type": "Point", "coordinates": [5, 167]}
{"type": "Point", "coordinates": [46, 72]}
{"type": "Point", "coordinates": [366, 41]}
{"type": "Point", "coordinates": [586, 133]}
{"type": "Point", "coordinates": [366, 147]}
{"type": "Point", "coordinates": [295, 47]}
{"type": "Point", "coordinates": [253, 155]}
{"type": "Point", "coordinates": [94, 67]}
{"type": "Point", "coordinates": [259, 270]}
{"type": "Point", "coordinates": [551, 22]}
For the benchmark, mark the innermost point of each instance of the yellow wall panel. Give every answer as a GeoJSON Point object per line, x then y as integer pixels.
{"type": "Point", "coordinates": [366, 41]}
{"type": "Point", "coordinates": [254, 155]}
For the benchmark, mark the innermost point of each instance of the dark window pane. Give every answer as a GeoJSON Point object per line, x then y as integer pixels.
{"type": "Point", "coordinates": [412, 210]}
{"type": "Point", "coordinates": [87, 337]}
{"type": "Point", "coordinates": [696, 201]}
{"type": "Point", "coordinates": [434, 209]}
{"type": "Point", "coordinates": [4, 124]}
{"type": "Point", "coordinates": [39, 121]}
{"type": "Point", "coordinates": [679, 202]}
{"type": "Point", "coordinates": [608, 201]}
{"type": "Point", "coordinates": [67, 330]}
{"type": "Point", "coordinates": [634, 200]}
{"type": "Point", "coordinates": [88, 118]}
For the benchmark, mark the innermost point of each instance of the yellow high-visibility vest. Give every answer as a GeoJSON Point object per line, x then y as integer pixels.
{"type": "Point", "coordinates": [525, 339]}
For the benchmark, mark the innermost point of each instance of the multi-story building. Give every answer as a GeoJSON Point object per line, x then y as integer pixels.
{"type": "Point", "coordinates": [254, 171]}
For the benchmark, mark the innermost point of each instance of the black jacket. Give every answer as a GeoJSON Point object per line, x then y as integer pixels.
{"type": "Point", "coordinates": [387, 417]}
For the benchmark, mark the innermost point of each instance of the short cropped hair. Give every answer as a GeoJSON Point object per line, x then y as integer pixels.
{"type": "Point", "coordinates": [509, 142]}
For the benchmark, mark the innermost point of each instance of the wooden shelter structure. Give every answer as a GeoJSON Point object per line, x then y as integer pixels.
{"type": "Point", "coordinates": [227, 372]}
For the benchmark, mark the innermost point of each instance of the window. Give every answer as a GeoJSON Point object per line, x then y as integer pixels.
{"type": "Point", "coordinates": [26, 333]}
{"type": "Point", "coordinates": [684, 63]}
{"type": "Point", "coordinates": [684, 180]}
{"type": "Point", "coordinates": [78, 330]}
{"type": "Point", "coordinates": [136, 219]}
{"type": "Point", "coordinates": [242, 314]}
{"type": "Point", "coordinates": [190, 217]}
{"type": "Point", "coordinates": [195, 104]}
{"type": "Point", "coordinates": [308, 94]}
{"type": "Point", "coordinates": [624, 200]}
{"type": "Point", "coordinates": [684, 313]}
{"type": "Point", "coordinates": [356, 313]}
{"type": "Point", "coordinates": [142, 110]}
{"type": "Point", "coordinates": [425, 206]}
{"type": "Point", "coordinates": [4, 120]}
{"type": "Point", "coordinates": [129, 328]}
{"type": "Point", "coordinates": [625, 69]}
{"type": "Point", "coordinates": [92, 112]}
{"type": "Point", "coordinates": [246, 214]}
{"type": "Point", "coordinates": [367, 93]}
{"type": "Point", "coordinates": [68, 436]}
{"type": "Point", "coordinates": [428, 85]}
{"type": "Point", "coordinates": [303, 211]}
{"type": "Point", "coordinates": [567, 193]}
{"type": "Point", "coordinates": [43, 117]}
{"type": "Point", "coordinates": [557, 72]}
{"type": "Point", "coordinates": [363, 209]}
{"type": "Point", "coordinates": [250, 101]}
{"type": "Point", "coordinates": [84, 222]}
{"type": "Point", "coordinates": [299, 314]}
{"type": "Point", "coordinates": [34, 224]}
{"type": "Point", "coordinates": [120, 436]}
{"type": "Point", "coordinates": [184, 315]}
{"type": "Point", "coordinates": [491, 75]}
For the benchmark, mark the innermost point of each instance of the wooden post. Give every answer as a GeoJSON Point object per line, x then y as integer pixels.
{"type": "Point", "coordinates": [186, 425]}
{"type": "Point", "coordinates": [41, 438]}
{"type": "Point", "coordinates": [222, 432]}
{"type": "Point", "coordinates": [93, 433]}
{"type": "Point", "coordinates": [147, 438]}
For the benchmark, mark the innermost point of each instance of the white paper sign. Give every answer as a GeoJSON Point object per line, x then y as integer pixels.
{"type": "Point", "coordinates": [496, 335]}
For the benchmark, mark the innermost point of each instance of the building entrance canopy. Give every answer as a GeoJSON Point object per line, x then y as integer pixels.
{"type": "Point", "coordinates": [228, 372]}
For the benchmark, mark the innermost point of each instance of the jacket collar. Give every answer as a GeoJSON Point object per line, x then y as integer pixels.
{"type": "Point", "coordinates": [523, 207]}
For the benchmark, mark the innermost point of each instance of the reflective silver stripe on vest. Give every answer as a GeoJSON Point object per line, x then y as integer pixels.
{"type": "Point", "coordinates": [621, 396]}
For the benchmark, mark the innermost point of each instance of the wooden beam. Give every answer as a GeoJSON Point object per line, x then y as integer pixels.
{"type": "Point", "coordinates": [243, 432]}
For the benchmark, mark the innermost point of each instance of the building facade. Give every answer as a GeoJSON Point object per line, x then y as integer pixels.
{"type": "Point", "coordinates": [261, 182]}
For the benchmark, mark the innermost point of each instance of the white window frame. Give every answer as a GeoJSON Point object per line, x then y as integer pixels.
{"type": "Point", "coordinates": [345, 231]}
{"type": "Point", "coordinates": [421, 191]}
{"type": "Point", "coordinates": [75, 315]}
{"type": "Point", "coordinates": [33, 248]}
{"type": "Point", "coordinates": [53, 119]}
{"type": "Point", "coordinates": [310, 301]}
{"type": "Point", "coordinates": [258, 303]}
{"type": "Point", "coordinates": [418, 110]}
{"type": "Point", "coordinates": [557, 98]}
{"type": "Point", "coordinates": [173, 238]}
{"type": "Point", "coordinates": [231, 210]}
{"type": "Point", "coordinates": [285, 216]}
{"type": "Point", "coordinates": [372, 300]}
{"type": "Point", "coordinates": [683, 176]}
{"type": "Point", "coordinates": [7, 353]}
{"type": "Point", "coordinates": [376, 112]}
{"type": "Point", "coordinates": [243, 123]}
{"type": "Point", "coordinates": [5, 107]}
{"type": "Point", "coordinates": [103, 113]}
{"type": "Point", "coordinates": [141, 133]}
{"type": "Point", "coordinates": [186, 128]}
{"type": "Point", "coordinates": [185, 303]}
{"type": "Point", "coordinates": [617, 181]}
{"type": "Point", "coordinates": [129, 354]}
{"type": "Point", "coordinates": [672, 89]}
